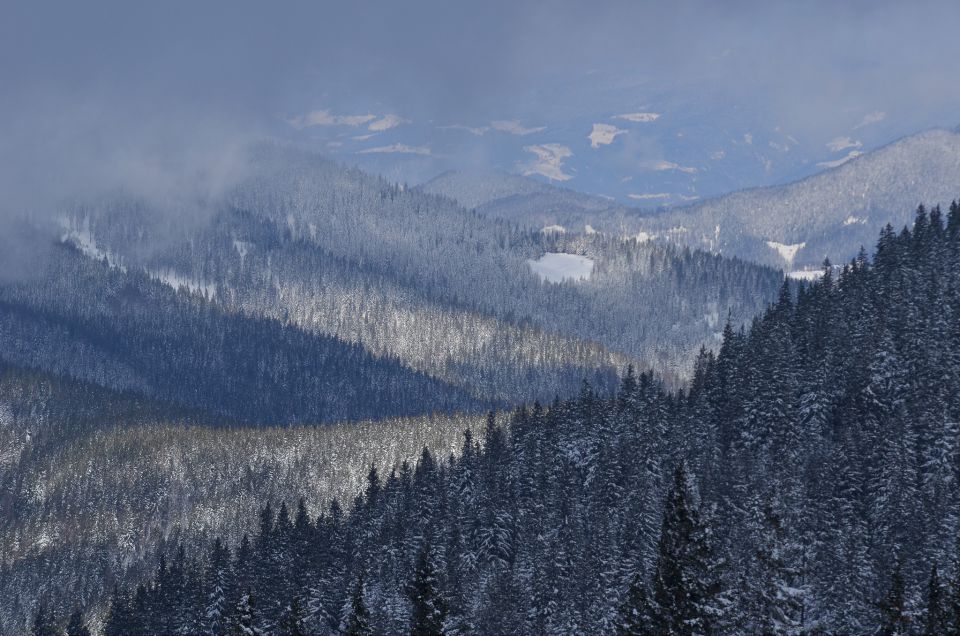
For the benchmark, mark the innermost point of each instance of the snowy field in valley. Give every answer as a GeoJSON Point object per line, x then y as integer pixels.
{"type": "Point", "coordinates": [556, 267]}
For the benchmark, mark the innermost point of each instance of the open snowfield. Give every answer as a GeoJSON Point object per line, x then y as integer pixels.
{"type": "Point", "coordinates": [556, 267]}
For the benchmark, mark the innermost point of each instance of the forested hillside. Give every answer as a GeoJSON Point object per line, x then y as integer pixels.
{"type": "Point", "coordinates": [81, 318]}
{"type": "Point", "coordinates": [793, 226]}
{"type": "Point", "coordinates": [414, 276]}
{"type": "Point", "coordinates": [805, 482]}
{"type": "Point", "coordinates": [94, 483]}
{"type": "Point", "coordinates": [830, 214]}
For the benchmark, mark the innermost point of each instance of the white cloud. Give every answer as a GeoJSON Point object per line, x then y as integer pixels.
{"type": "Point", "coordinates": [662, 165]}
{"type": "Point", "coordinates": [648, 196]}
{"type": "Point", "coordinates": [549, 161]}
{"type": "Point", "coordinates": [604, 134]}
{"type": "Point", "coordinates": [639, 118]}
{"type": "Point", "coordinates": [748, 138]}
{"type": "Point", "coordinates": [387, 122]}
{"type": "Point", "coordinates": [871, 118]}
{"type": "Point", "coordinates": [718, 155]}
{"type": "Point", "coordinates": [326, 118]}
{"type": "Point", "coordinates": [842, 143]}
{"type": "Point", "coordinates": [397, 148]}
{"type": "Point", "coordinates": [853, 154]}
{"type": "Point", "coordinates": [514, 127]}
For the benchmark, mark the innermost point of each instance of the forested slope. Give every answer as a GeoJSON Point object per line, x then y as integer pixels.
{"type": "Point", "coordinates": [121, 329]}
{"type": "Point", "coordinates": [418, 277]}
{"type": "Point", "coordinates": [805, 482]}
{"type": "Point", "coordinates": [94, 483]}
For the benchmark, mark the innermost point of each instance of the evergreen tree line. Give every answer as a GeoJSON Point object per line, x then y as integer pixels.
{"type": "Point", "coordinates": [805, 482]}
{"type": "Point", "coordinates": [447, 290]}
{"type": "Point", "coordinates": [87, 320]}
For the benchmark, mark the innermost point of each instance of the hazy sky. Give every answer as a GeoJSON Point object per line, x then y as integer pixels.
{"type": "Point", "coordinates": [101, 93]}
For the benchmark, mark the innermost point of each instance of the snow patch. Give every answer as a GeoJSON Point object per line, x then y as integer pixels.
{"type": "Point", "coordinates": [604, 134]}
{"type": "Point", "coordinates": [839, 144]}
{"type": "Point", "coordinates": [853, 220]}
{"type": "Point", "coordinates": [553, 229]}
{"type": "Point", "coordinates": [178, 282]}
{"type": "Point", "coordinates": [387, 122]}
{"type": "Point", "coordinates": [853, 154]}
{"type": "Point", "coordinates": [243, 248]}
{"type": "Point", "coordinates": [557, 267]}
{"type": "Point", "coordinates": [326, 118]}
{"type": "Point", "coordinates": [662, 165]}
{"type": "Point", "coordinates": [397, 148]}
{"type": "Point", "coordinates": [647, 196]}
{"type": "Point", "coordinates": [639, 118]}
{"type": "Point", "coordinates": [81, 238]}
{"type": "Point", "coordinates": [514, 127]}
{"type": "Point", "coordinates": [871, 118]}
{"type": "Point", "coordinates": [786, 252]}
{"type": "Point", "coordinates": [549, 161]}
{"type": "Point", "coordinates": [589, 229]}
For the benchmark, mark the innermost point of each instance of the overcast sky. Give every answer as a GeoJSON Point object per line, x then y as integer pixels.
{"type": "Point", "coordinates": [99, 92]}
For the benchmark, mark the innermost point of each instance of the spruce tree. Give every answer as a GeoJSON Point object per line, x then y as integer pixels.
{"type": "Point", "coordinates": [44, 623]}
{"type": "Point", "coordinates": [119, 616]}
{"type": "Point", "coordinates": [245, 622]}
{"type": "Point", "coordinates": [357, 622]}
{"type": "Point", "coordinates": [76, 626]}
{"type": "Point", "coordinates": [636, 616]}
{"type": "Point", "coordinates": [220, 589]}
{"type": "Point", "coordinates": [894, 619]}
{"type": "Point", "coordinates": [291, 622]}
{"type": "Point", "coordinates": [429, 609]}
{"type": "Point", "coordinates": [935, 619]}
{"type": "Point", "coordinates": [685, 586]}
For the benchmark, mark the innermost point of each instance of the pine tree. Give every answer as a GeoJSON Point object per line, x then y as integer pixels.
{"type": "Point", "coordinates": [357, 622]}
{"type": "Point", "coordinates": [636, 616]}
{"type": "Point", "coordinates": [291, 622]}
{"type": "Point", "coordinates": [44, 623]}
{"type": "Point", "coordinates": [429, 608]}
{"type": "Point", "coordinates": [686, 590]}
{"type": "Point", "coordinates": [772, 593]}
{"type": "Point", "coordinates": [245, 623]}
{"type": "Point", "coordinates": [76, 625]}
{"type": "Point", "coordinates": [935, 620]}
{"type": "Point", "coordinates": [120, 621]}
{"type": "Point", "coordinates": [221, 588]}
{"type": "Point", "coordinates": [895, 621]}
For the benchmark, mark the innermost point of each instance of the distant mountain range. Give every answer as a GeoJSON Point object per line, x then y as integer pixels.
{"type": "Point", "coordinates": [792, 227]}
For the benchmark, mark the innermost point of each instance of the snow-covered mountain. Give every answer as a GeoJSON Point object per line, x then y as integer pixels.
{"type": "Point", "coordinates": [794, 226]}
{"type": "Point", "coordinates": [830, 214]}
{"type": "Point", "coordinates": [530, 203]}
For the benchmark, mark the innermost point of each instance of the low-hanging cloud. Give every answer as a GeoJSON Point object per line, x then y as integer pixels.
{"type": "Point", "coordinates": [155, 98]}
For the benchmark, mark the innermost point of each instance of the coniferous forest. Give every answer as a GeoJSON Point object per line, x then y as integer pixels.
{"type": "Point", "coordinates": [803, 483]}
{"type": "Point", "coordinates": [481, 318]}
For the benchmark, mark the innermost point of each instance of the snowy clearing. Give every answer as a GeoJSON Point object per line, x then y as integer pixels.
{"type": "Point", "coordinates": [604, 134]}
{"type": "Point", "coordinates": [557, 267]}
{"type": "Point", "coordinates": [786, 252]}
{"type": "Point", "coordinates": [549, 161]}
